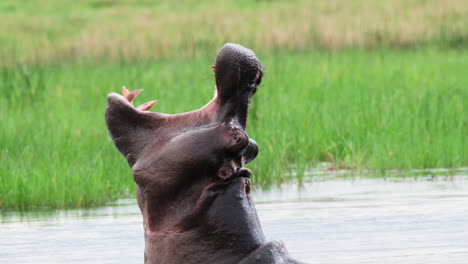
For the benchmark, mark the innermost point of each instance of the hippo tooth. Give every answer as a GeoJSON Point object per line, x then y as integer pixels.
{"type": "Point", "coordinates": [147, 106]}
{"type": "Point", "coordinates": [125, 91]}
{"type": "Point", "coordinates": [131, 95]}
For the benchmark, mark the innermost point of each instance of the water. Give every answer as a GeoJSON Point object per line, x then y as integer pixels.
{"type": "Point", "coordinates": [326, 221]}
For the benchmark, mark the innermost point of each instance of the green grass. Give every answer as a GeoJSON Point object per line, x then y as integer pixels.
{"type": "Point", "coordinates": [378, 110]}
{"type": "Point", "coordinates": [363, 85]}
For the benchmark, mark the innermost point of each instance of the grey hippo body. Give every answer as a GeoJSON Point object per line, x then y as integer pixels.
{"type": "Point", "coordinates": [192, 187]}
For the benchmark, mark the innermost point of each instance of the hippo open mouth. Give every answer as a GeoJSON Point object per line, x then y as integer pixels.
{"type": "Point", "coordinates": [192, 187]}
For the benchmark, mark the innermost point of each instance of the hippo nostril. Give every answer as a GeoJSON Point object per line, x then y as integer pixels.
{"type": "Point", "coordinates": [243, 172]}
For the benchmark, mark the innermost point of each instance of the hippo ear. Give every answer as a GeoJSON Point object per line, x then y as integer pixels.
{"type": "Point", "coordinates": [130, 128]}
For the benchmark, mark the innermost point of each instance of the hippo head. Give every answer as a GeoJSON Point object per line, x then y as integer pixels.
{"type": "Point", "coordinates": [208, 141]}
{"type": "Point", "coordinates": [192, 187]}
{"type": "Point", "coordinates": [189, 167]}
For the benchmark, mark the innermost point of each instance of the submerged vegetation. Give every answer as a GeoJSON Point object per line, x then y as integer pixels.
{"type": "Point", "coordinates": [358, 86]}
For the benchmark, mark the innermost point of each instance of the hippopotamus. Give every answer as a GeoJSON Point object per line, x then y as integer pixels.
{"type": "Point", "coordinates": [192, 187]}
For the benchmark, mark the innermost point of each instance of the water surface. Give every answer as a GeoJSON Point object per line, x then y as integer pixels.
{"type": "Point", "coordinates": [325, 221]}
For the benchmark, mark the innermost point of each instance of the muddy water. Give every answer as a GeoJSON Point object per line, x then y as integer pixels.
{"type": "Point", "coordinates": [326, 221]}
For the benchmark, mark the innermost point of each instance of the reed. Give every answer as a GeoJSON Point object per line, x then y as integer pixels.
{"type": "Point", "coordinates": [375, 110]}
{"type": "Point", "coordinates": [357, 84]}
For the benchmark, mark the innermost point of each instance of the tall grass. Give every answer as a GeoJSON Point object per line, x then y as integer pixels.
{"type": "Point", "coordinates": [48, 31]}
{"type": "Point", "coordinates": [360, 84]}
{"type": "Point", "coordinates": [378, 110]}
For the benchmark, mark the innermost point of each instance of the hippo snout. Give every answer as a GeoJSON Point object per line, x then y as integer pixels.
{"type": "Point", "coordinates": [250, 152]}
{"type": "Point", "coordinates": [238, 72]}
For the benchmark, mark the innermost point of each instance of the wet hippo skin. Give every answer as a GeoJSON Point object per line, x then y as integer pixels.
{"type": "Point", "coordinates": [192, 187]}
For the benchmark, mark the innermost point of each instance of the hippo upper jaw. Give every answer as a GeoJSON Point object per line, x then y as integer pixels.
{"type": "Point", "coordinates": [238, 72]}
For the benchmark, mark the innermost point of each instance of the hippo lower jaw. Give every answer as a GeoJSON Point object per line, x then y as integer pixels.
{"type": "Point", "coordinates": [227, 231]}
{"type": "Point", "coordinates": [223, 227]}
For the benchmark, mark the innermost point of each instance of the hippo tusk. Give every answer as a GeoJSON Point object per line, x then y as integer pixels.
{"type": "Point", "coordinates": [147, 106]}
{"type": "Point", "coordinates": [130, 96]}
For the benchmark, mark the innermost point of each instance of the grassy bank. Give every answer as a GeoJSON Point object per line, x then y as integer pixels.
{"type": "Point", "coordinates": [48, 31]}
{"type": "Point", "coordinates": [378, 110]}
{"type": "Point", "coordinates": [359, 84]}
